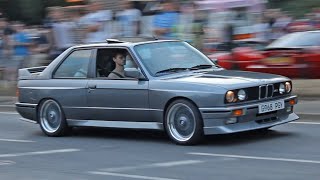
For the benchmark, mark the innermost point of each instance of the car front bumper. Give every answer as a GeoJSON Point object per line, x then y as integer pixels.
{"type": "Point", "coordinates": [217, 120]}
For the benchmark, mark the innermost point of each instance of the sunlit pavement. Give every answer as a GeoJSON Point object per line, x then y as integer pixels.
{"type": "Point", "coordinates": [289, 151]}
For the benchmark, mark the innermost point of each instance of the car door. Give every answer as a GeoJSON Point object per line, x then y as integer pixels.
{"type": "Point", "coordinates": [123, 99]}
{"type": "Point", "coordinates": [69, 82]}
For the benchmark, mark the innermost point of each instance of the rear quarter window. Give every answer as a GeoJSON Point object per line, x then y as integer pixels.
{"type": "Point", "coordinates": [75, 65]}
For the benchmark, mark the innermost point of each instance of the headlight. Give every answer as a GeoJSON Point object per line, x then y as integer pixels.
{"type": "Point", "coordinates": [242, 95]}
{"type": "Point", "coordinates": [288, 87]}
{"type": "Point", "coordinates": [230, 96]}
{"type": "Point", "coordinates": [282, 88]}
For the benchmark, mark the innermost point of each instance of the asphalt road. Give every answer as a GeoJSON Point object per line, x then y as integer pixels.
{"type": "Point", "coordinates": [289, 151]}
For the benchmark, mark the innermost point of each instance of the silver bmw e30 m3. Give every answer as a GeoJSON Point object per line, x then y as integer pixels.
{"type": "Point", "coordinates": [162, 84]}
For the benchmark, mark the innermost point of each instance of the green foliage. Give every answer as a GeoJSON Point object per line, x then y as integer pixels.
{"type": "Point", "coordinates": [296, 8]}
{"type": "Point", "coordinates": [29, 11]}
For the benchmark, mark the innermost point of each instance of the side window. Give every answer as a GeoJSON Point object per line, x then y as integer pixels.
{"type": "Point", "coordinates": [111, 63]}
{"type": "Point", "coordinates": [130, 62]}
{"type": "Point", "coordinates": [75, 65]}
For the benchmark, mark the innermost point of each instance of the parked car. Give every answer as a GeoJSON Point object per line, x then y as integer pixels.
{"type": "Point", "coordinates": [295, 55]}
{"type": "Point", "coordinates": [168, 85]}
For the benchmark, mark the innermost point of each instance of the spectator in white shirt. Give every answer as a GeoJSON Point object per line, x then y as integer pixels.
{"type": "Point", "coordinates": [61, 30]}
{"type": "Point", "coordinates": [128, 19]}
{"type": "Point", "coordinates": [96, 22]}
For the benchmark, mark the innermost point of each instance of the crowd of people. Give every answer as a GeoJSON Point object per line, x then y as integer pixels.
{"type": "Point", "coordinates": [63, 27]}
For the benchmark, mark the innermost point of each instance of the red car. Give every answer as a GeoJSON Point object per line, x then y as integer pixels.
{"type": "Point", "coordinates": [296, 55]}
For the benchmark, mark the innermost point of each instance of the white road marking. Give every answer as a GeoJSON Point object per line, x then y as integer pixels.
{"type": "Point", "coordinates": [154, 165]}
{"type": "Point", "coordinates": [255, 157]}
{"type": "Point", "coordinates": [7, 105]}
{"type": "Point", "coordinates": [5, 162]}
{"type": "Point", "coordinates": [129, 176]}
{"type": "Point", "coordinates": [303, 113]}
{"type": "Point", "coordinates": [177, 163]}
{"type": "Point", "coordinates": [39, 153]}
{"type": "Point", "coordinates": [15, 113]}
{"type": "Point", "coordinates": [17, 140]}
{"type": "Point", "coordinates": [302, 122]}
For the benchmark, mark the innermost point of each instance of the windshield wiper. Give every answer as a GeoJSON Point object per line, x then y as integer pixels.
{"type": "Point", "coordinates": [171, 70]}
{"type": "Point", "coordinates": [201, 66]}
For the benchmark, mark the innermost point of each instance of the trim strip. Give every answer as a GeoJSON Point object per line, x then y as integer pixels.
{"type": "Point", "coordinates": [26, 105]}
{"type": "Point", "coordinates": [116, 124]}
{"type": "Point", "coordinates": [242, 106]}
{"type": "Point", "coordinates": [52, 87]}
{"type": "Point", "coordinates": [169, 90]}
{"type": "Point", "coordinates": [112, 108]}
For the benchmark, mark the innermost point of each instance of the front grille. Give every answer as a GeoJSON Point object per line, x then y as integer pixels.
{"type": "Point", "coordinates": [263, 92]}
{"type": "Point", "coordinates": [267, 120]}
{"type": "Point", "coordinates": [266, 91]}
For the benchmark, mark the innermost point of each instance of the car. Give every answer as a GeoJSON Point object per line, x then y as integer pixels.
{"type": "Point", "coordinates": [238, 55]}
{"type": "Point", "coordinates": [168, 85]}
{"type": "Point", "coordinates": [295, 55]}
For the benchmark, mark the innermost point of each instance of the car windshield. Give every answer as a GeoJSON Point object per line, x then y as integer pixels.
{"type": "Point", "coordinates": [161, 58]}
{"type": "Point", "coordinates": [300, 39]}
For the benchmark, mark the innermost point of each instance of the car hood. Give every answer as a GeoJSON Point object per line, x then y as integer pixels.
{"type": "Point", "coordinates": [229, 79]}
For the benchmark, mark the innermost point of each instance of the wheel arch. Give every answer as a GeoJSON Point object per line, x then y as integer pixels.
{"type": "Point", "coordinates": [170, 101]}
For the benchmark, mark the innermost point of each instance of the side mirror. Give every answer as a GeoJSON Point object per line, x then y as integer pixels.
{"type": "Point", "coordinates": [133, 73]}
{"type": "Point", "coordinates": [214, 60]}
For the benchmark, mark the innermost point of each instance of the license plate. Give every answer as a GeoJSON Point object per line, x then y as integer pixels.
{"type": "Point", "coordinates": [271, 106]}
{"type": "Point", "coordinates": [278, 60]}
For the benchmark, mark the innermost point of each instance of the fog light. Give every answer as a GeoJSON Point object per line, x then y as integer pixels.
{"type": "Point", "coordinates": [238, 112]}
{"type": "Point", "coordinates": [289, 109]}
{"type": "Point", "coordinates": [231, 120]}
{"type": "Point", "coordinates": [292, 102]}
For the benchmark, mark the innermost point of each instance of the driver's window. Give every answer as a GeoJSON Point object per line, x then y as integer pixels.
{"type": "Point", "coordinates": [112, 62]}
{"type": "Point", "coordinates": [130, 62]}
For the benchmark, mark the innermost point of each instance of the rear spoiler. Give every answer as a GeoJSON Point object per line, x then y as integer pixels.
{"type": "Point", "coordinates": [30, 73]}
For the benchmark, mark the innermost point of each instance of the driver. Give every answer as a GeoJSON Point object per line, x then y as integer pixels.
{"type": "Point", "coordinates": [119, 58]}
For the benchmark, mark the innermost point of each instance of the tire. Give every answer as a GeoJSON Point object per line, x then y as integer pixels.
{"type": "Point", "coordinates": [52, 119]}
{"type": "Point", "coordinates": [183, 123]}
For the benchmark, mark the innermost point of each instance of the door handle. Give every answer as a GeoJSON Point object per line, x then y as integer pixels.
{"type": "Point", "coordinates": [92, 86]}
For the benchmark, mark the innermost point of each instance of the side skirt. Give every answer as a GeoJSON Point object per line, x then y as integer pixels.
{"type": "Point", "coordinates": [115, 124]}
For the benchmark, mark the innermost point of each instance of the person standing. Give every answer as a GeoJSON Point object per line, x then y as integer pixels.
{"type": "Point", "coordinates": [61, 30]}
{"type": "Point", "coordinates": [128, 20]}
{"type": "Point", "coordinates": [8, 31]}
{"type": "Point", "coordinates": [21, 43]}
{"type": "Point", "coordinates": [198, 25]}
{"type": "Point", "coordinates": [97, 22]}
{"type": "Point", "coordinates": [165, 22]}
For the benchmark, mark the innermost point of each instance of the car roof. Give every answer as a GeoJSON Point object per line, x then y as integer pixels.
{"type": "Point", "coordinates": [117, 43]}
